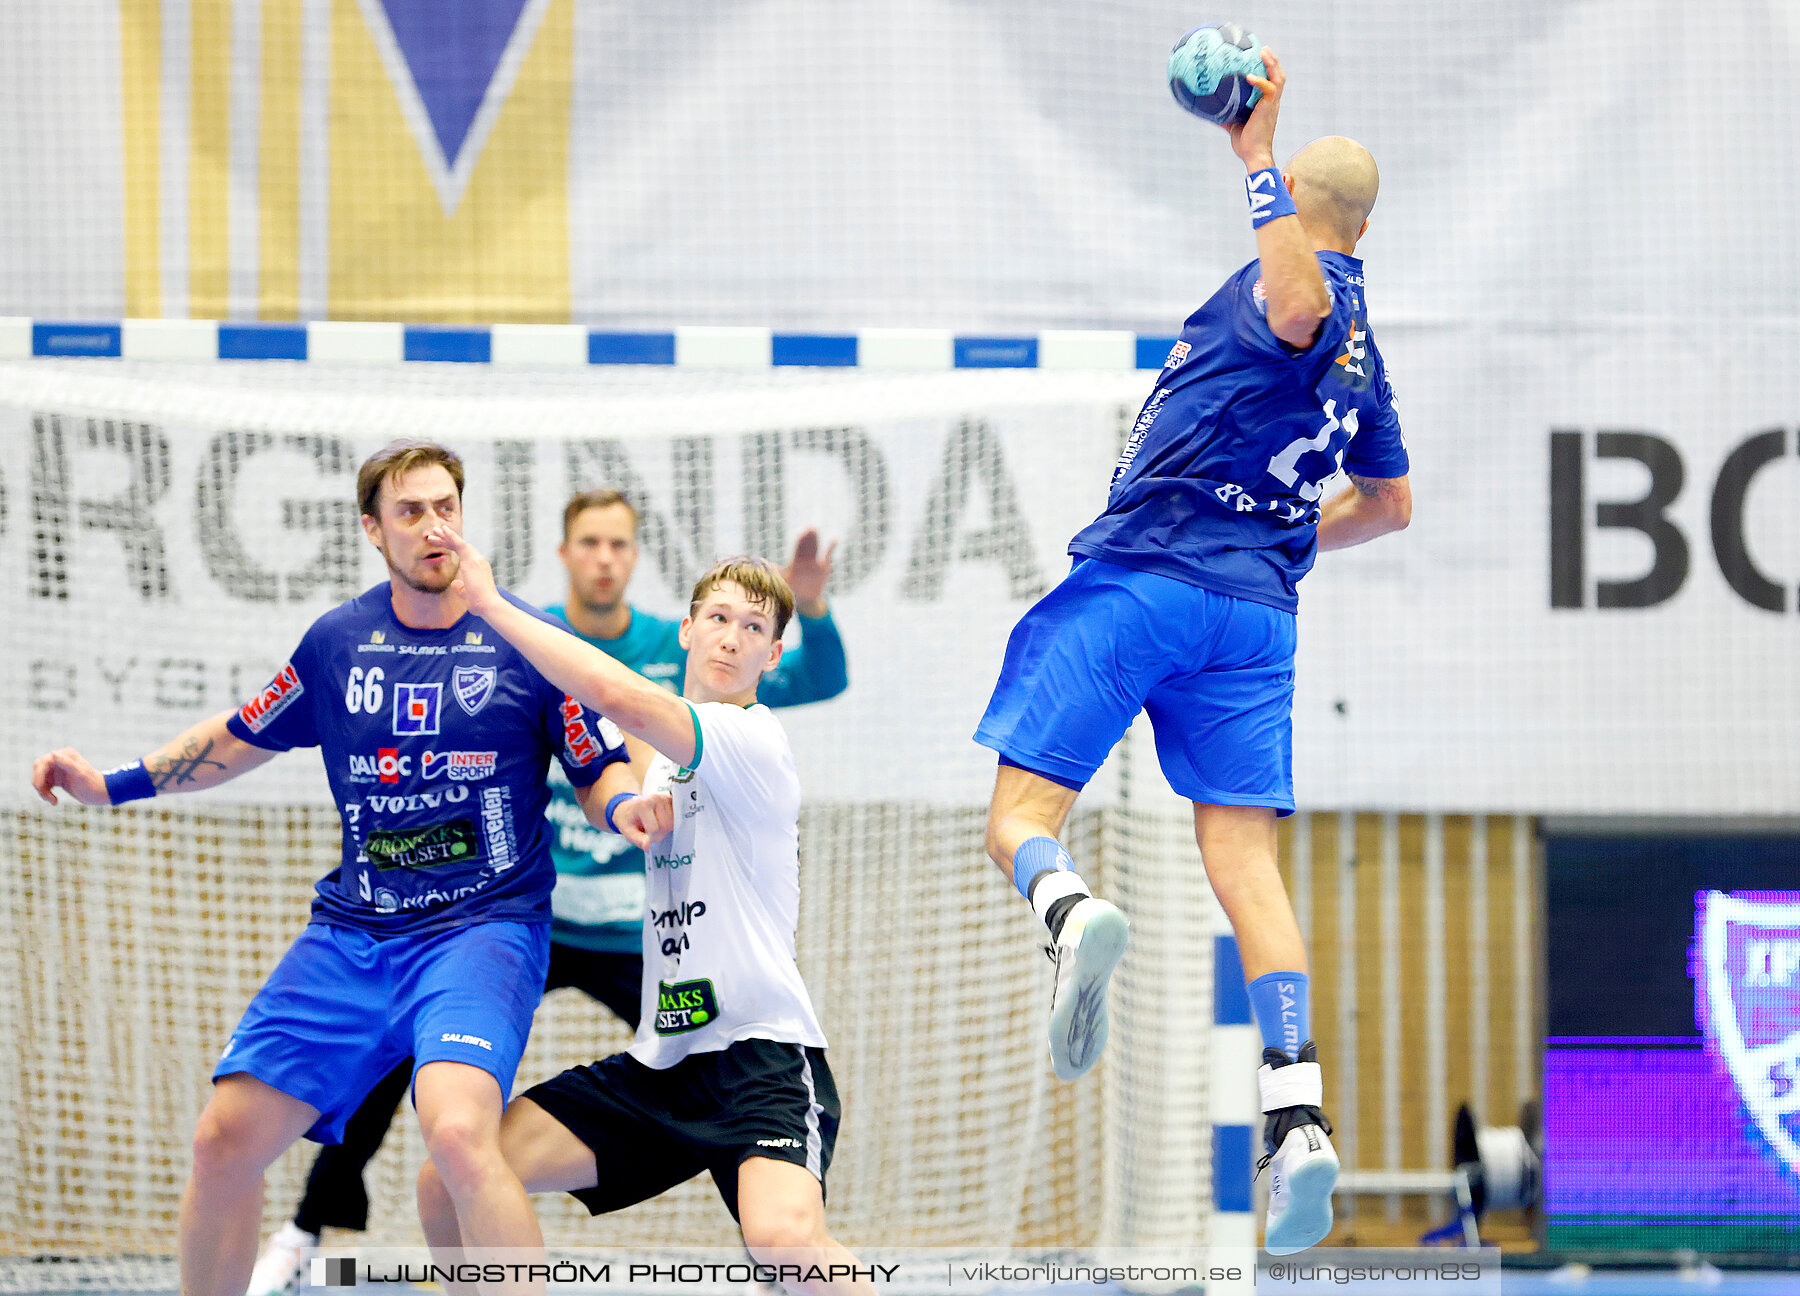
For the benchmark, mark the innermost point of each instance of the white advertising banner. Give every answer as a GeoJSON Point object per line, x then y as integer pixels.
{"type": "Point", "coordinates": [1593, 612]}
{"type": "Point", "coordinates": [811, 164]}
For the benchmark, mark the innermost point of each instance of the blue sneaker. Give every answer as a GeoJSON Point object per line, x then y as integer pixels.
{"type": "Point", "coordinates": [1086, 951]}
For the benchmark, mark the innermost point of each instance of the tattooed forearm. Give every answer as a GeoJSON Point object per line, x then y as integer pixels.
{"type": "Point", "coordinates": [167, 771]}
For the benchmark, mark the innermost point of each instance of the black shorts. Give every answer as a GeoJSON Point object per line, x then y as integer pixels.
{"type": "Point", "coordinates": [615, 979]}
{"type": "Point", "coordinates": [650, 1130]}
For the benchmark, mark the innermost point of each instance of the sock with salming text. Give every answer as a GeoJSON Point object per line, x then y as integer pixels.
{"type": "Point", "coordinates": [1281, 1004]}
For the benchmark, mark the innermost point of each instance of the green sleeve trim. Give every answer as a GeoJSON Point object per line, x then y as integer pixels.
{"type": "Point", "coordinates": [699, 737]}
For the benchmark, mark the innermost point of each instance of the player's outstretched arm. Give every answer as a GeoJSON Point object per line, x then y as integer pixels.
{"type": "Point", "coordinates": [1297, 297]}
{"type": "Point", "coordinates": [1366, 508]}
{"type": "Point", "coordinates": [586, 674]}
{"type": "Point", "coordinates": [202, 757]}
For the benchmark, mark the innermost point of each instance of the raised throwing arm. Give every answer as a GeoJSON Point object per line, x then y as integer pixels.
{"type": "Point", "coordinates": [1297, 296]}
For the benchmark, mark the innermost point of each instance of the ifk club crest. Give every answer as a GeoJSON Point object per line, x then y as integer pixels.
{"type": "Point", "coordinates": [1749, 946]}
{"type": "Point", "coordinates": [472, 686]}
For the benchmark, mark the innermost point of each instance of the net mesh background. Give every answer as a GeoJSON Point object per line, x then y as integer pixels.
{"type": "Point", "coordinates": [137, 935]}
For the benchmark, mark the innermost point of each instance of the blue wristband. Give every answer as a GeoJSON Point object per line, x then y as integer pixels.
{"type": "Point", "coordinates": [129, 783]}
{"type": "Point", "coordinates": [1269, 197]}
{"type": "Point", "coordinates": [614, 805]}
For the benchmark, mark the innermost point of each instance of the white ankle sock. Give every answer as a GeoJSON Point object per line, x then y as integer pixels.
{"type": "Point", "coordinates": [1051, 887]}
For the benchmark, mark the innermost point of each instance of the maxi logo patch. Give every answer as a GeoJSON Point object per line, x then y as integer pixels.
{"type": "Point", "coordinates": [472, 686]}
{"type": "Point", "coordinates": [260, 711]}
{"type": "Point", "coordinates": [578, 739]}
{"type": "Point", "coordinates": [1749, 992]}
{"type": "Point", "coordinates": [452, 842]}
{"type": "Point", "coordinates": [685, 1006]}
{"type": "Point", "coordinates": [416, 708]}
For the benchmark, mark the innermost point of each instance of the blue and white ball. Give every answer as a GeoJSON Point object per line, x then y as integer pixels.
{"type": "Point", "coordinates": [1207, 70]}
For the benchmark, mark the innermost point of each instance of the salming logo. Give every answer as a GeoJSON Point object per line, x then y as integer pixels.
{"type": "Point", "coordinates": [476, 1040]}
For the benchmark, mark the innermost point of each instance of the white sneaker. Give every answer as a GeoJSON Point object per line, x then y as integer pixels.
{"type": "Point", "coordinates": [1303, 1166]}
{"type": "Point", "coordinates": [1087, 949]}
{"type": "Point", "coordinates": [281, 1265]}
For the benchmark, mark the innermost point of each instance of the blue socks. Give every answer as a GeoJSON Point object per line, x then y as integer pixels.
{"type": "Point", "coordinates": [1047, 879]}
{"type": "Point", "coordinates": [1039, 855]}
{"type": "Point", "coordinates": [1280, 1002]}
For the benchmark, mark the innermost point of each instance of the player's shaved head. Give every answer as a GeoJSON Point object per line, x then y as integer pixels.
{"type": "Point", "coordinates": [1335, 181]}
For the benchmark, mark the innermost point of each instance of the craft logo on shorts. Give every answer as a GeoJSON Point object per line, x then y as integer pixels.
{"type": "Point", "coordinates": [578, 739]}
{"type": "Point", "coordinates": [1749, 992]}
{"type": "Point", "coordinates": [260, 711]}
{"type": "Point", "coordinates": [416, 708]}
{"type": "Point", "coordinates": [685, 1006]}
{"type": "Point", "coordinates": [433, 846]}
{"type": "Point", "coordinates": [472, 686]}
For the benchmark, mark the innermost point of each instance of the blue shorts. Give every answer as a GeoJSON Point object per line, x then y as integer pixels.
{"type": "Point", "coordinates": [1215, 673]}
{"type": "Point", "coordinates": [343, 1008]}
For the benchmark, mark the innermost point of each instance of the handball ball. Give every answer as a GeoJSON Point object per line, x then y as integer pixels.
{"type": "Point", "coordinates": [1207, 68]}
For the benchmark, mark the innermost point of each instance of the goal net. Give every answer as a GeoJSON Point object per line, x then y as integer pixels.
{"type": "Point", "coordinates": [173, 529]}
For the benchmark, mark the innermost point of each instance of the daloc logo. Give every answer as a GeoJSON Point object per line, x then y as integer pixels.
{"type": "Point", "coordinates": [1749, 988]}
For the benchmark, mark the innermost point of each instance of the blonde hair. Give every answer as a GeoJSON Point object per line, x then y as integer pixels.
{"type": "Point", "coordinates": [396, 459]}
{"type": "Point", "coordinates": [759, 578]}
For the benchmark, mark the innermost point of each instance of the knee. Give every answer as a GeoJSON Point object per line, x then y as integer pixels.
{"type": "Point", "coordinates": [461, 1150]}
{"type": "Point", "coordinates": [775, 1233]}
{"type": "Point", "coordinates": [223, 1143]}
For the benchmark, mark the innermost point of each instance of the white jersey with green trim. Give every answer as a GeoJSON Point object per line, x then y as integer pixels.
{"type": "Point", "coordinates": [723, 894]}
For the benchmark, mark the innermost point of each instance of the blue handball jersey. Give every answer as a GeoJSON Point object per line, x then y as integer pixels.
{"type": "Point", "coordinates": [437, 745]}
{"type": "Point", "coordinates": [1220, 481]}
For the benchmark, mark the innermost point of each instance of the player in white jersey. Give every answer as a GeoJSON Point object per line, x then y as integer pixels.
{"type": "Point", "coordinates": [727, 1072]}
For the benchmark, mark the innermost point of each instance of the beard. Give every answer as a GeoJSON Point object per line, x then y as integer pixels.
{"type": "Point", "coordinates": [425, 582]}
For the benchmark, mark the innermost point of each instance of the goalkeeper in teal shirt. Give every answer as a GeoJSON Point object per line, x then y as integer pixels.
{"type": "Point", "coordinates": [596, 931]}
